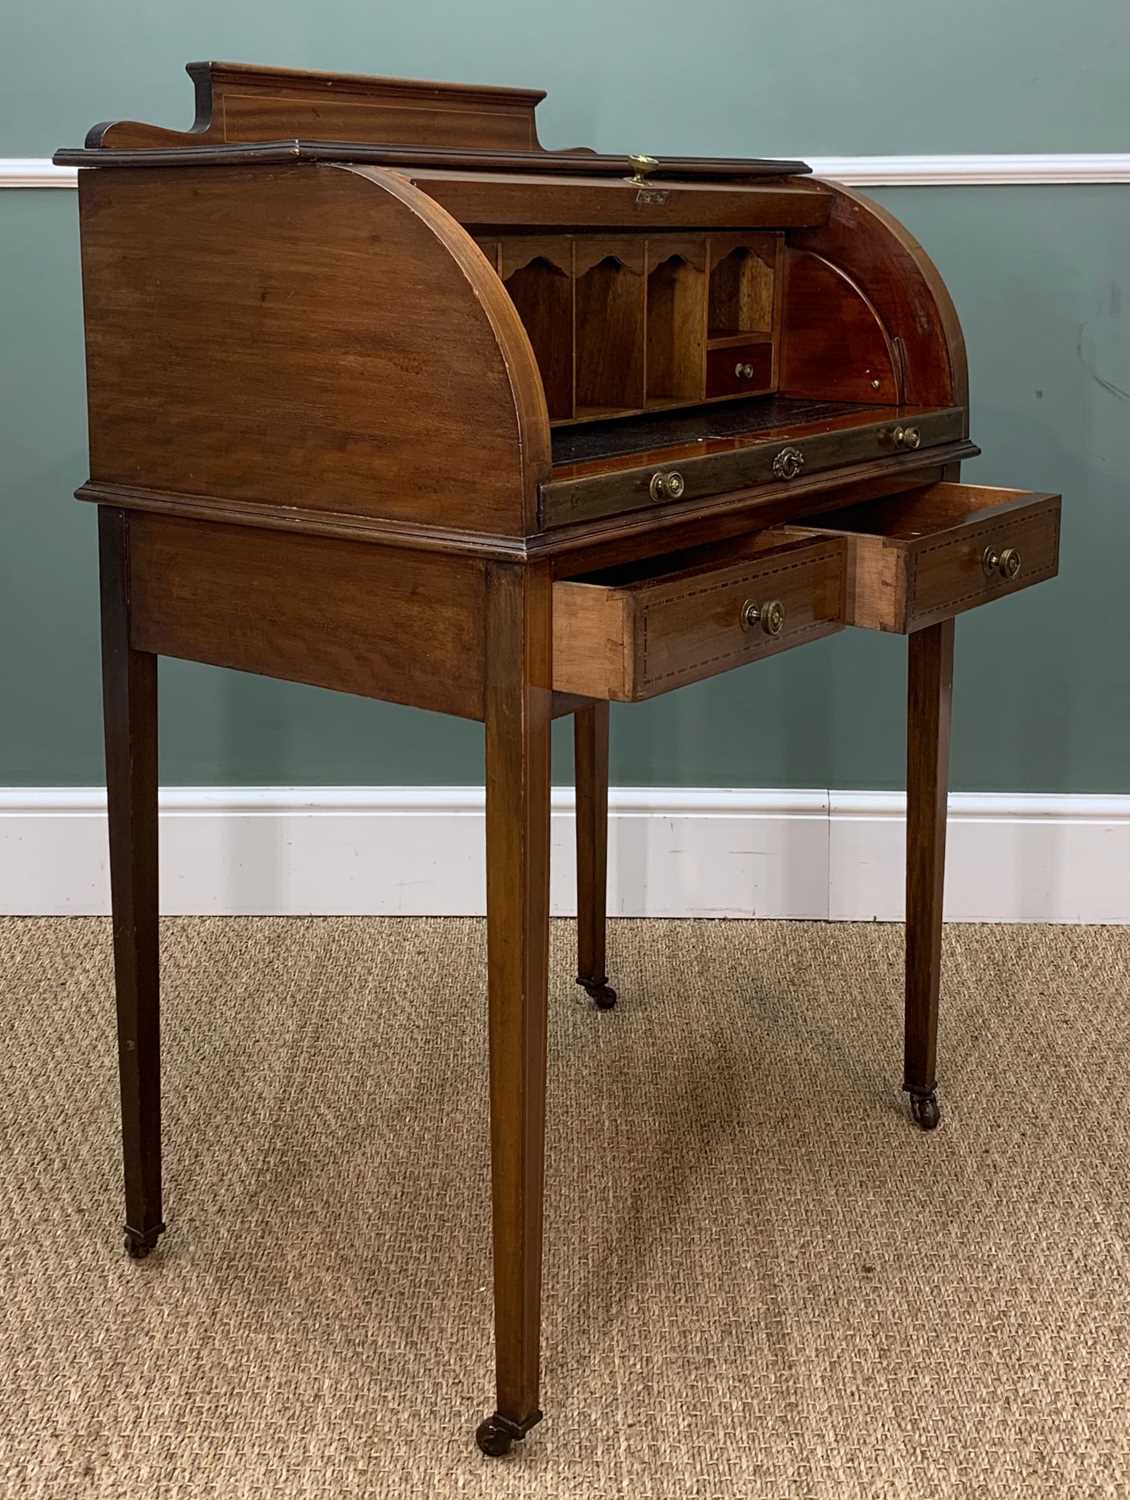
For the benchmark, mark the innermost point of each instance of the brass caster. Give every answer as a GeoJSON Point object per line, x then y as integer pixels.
{"type": "Point", "coordinates": [599, 991]}
{"type": "Point", "coordinates": [924, 1108]}
{"type": "Point", "coordinates": [496, 1434]}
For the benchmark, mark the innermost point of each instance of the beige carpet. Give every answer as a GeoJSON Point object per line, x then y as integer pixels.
{"type": "Point", "coordinates": [761, 1280]}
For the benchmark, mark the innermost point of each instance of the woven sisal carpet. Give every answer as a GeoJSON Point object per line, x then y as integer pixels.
{"type": "Point", "coordinates": [761, 1280]}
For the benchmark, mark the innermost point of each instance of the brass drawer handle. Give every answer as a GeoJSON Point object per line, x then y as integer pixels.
{"type": "Point", "coordinates": [642, 167]}
{"type": "Point", "coordinates": [1007, 562]}
{"type": "Point", "coordinates": [743, 372]}
{"type": "Point", "coordinates": [770, 616]}
{"type": "Point", "coordinates": [666, 486]}
{"type": "Point", "coordinates": [907, 437]}
{"type": "Point", "coordinates": [788, 463]}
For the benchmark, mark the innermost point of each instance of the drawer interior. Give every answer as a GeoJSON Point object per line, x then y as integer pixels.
{"type": "Point", "coordinates": [642, 573]}
{"type": "Point", "coordinates": [930, 511]}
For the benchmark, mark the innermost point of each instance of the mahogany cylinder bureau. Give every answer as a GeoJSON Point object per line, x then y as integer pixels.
{"type": "Point", "coordinates": [386, 398]}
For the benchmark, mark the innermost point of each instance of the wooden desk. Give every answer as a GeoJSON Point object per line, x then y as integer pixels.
{"type": "Point", "coordinates": [386, 398]}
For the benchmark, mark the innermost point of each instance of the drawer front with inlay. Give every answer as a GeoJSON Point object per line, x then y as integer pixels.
{"type": "Point", "coordinates": [634, 632]}
{"type": "Point", "coordinates": [742, 465]}
{"type": "Point", "coordinates": [920, 557]}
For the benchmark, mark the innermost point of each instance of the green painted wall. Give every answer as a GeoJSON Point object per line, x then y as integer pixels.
{"type": "Point", "coordinates": [1041, 278]}
{"type": "Point", "coordinates": [831, 77]}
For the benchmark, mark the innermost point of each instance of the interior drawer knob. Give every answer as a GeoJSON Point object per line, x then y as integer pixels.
{"type": "Point", "coordinates": [1007, 562]}
{"type": "Point", "coordinates": [667, 486]}
{"type": "Point", "coordinates": [743, 371]}
{"type": "Point", "coordinates": [770, 616]}
{"type": "Point", "coordinates": [788, 463]}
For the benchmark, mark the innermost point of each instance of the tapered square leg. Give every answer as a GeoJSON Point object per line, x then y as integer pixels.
{"type": "Point", "coordinates": [929, 697]}
{"type": "Point", "coordinates": [590, 757]}
{"type": "Point", "coordinates": [129, 688]}
{"type": "Point", "coordinates": [518, 715]}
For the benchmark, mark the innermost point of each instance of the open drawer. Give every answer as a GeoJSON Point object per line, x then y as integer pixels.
{"type": "Point", "coordinates": [637, 630]}
{"type": "Point", "coordinates": [922, 556]}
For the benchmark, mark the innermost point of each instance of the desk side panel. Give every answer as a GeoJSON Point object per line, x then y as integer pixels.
{"type": "Point", "coordinates": [382, 622]}
{"type": "Point", "coordinates": [304, 335]}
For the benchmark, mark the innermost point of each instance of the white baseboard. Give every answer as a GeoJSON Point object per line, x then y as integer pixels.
{"type": "Point", "coordinates": [984, 169]}
{"type": "Point", "coordinates": [992, 170]}
{"type": "Point", "coordinates": [672, 852]}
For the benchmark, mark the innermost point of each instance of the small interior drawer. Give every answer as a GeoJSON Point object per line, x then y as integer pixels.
{"type": "Point", "coordinates": [637, 630]}
{"type": "Point", "coordinates": [920, 557]}
{"type": "Point", "coordinates": [738, 368]}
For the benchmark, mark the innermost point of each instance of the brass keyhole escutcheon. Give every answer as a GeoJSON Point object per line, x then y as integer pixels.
{"type": "Point", "coordinates": [1007, 562]}
{"type": "Point", "coordinates": [667, 485]}
{"type": "Point", "coordinates": [788, 463]}
{"type": "Point", "coordinates": [770, 616]}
